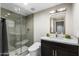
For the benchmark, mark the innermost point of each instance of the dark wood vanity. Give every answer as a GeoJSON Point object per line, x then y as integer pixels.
{"type": "Point", "coordinates": [49, 48]}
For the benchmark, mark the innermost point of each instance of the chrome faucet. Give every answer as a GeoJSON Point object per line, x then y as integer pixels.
{"type": "Point", "coordinates": [56, 34]}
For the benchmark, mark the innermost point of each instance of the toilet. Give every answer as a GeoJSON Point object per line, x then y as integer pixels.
{"type": "Point", "coordinates": [35, 49]}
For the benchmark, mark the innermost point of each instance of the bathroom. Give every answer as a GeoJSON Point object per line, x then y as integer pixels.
{"type": "Point", "coordinates": [26, 25]}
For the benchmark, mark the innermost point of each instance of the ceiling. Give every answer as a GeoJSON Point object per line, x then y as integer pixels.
{"type": "Point", "coordinates": [26, 9]}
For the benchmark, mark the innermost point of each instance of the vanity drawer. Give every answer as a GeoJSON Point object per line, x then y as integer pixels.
{"type": "Point", "coordinates": [48, 43]}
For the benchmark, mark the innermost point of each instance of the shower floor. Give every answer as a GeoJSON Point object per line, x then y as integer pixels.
{"type": "Point", "coordinates": [20, 51]}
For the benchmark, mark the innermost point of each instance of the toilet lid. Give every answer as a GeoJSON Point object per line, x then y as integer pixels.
{"type": "Point", "coordinates": [35, 46]}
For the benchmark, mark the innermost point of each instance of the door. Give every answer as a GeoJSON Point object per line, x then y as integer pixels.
{"type": "Point", "coordinates": [46, 51]}
{"type": "Point", "coordinates": [62, 52]}
{"type": "Point", "coordinates": [67, 52]}
{"type": "Point", "coordinates": [60, 27]}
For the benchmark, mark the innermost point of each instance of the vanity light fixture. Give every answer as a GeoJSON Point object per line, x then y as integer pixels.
{"type": "Point", "coordinates": [57, 10]}
{"type": "Point", "coordinates": [61, 9]}
{"type": "Point", "coordinates": [53, 11]}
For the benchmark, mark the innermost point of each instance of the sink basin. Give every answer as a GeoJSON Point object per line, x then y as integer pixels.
{"type": "Point", "coordinates": [61, 40]}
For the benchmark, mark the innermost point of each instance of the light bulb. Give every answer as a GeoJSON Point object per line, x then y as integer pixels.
{"type": "Point", "coordinates": [61, 9]}
{"type": "Point", "coordinates": [25, 3]}
{"type": "Point", "coordinates": [53, 11]}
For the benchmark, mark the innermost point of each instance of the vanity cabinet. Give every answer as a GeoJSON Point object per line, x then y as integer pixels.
{"type": "Point", "coordinates": [49, 48]}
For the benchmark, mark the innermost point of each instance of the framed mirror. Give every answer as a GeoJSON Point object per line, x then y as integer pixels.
{"type": "Point", "coordinates": [57, 22]}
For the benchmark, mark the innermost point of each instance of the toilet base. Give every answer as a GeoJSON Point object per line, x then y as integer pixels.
{"type": "Point", "coordinates": [35, 53]}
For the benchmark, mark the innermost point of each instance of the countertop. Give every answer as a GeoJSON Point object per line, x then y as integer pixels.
{"type": "Point", "coordinates": [62, 40]}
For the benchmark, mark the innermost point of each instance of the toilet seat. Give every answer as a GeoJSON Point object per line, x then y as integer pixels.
{"type": "Point", "coordinates": [35, 46]}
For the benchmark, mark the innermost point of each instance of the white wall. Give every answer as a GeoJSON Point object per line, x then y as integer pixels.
{"type": "Point", "coordinates": [69, 21]}
{"type": "Point", "coordinates": [76, 19]}
{"type": "Point", "coordinates": [41, 25]}
{"type": "Point", "coordinates": [42, 21]}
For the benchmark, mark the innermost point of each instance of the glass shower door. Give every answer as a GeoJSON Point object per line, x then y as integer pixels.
{"type": "Point", "coordinates": [14, 36]}
{"type": "Point", "coordinates": [20, 36]}
{"type": "Point", "coordinates": [21, 42]}
{"type": "Point", "coordinates": [24, 40]}
{"type": "Point", "coordinates": [16, 30]}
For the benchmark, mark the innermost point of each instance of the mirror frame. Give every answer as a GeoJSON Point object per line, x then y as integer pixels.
{"type": "Point", "coordinates": [52, 32]}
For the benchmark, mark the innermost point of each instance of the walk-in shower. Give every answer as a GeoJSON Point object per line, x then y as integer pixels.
{"type": "Point", "coordinates": [16, 31]}
{"type": "Point", "coordinates": [18, 35]}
